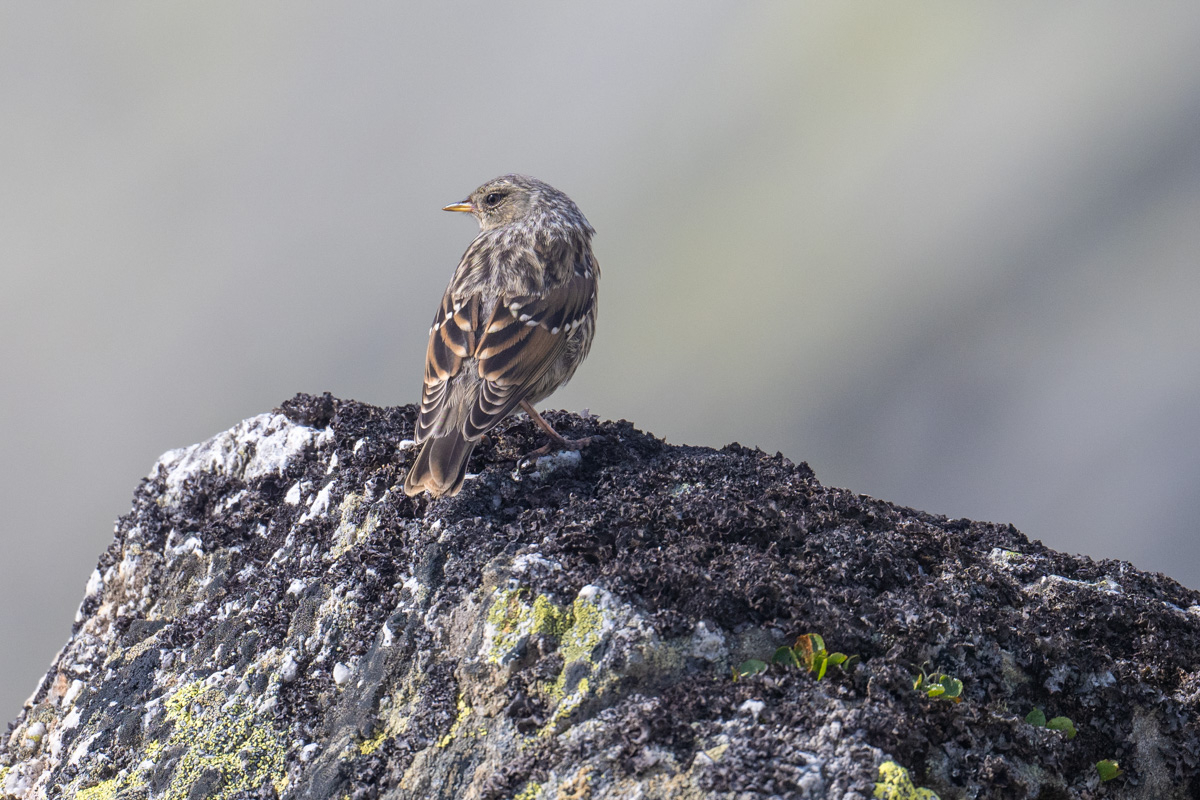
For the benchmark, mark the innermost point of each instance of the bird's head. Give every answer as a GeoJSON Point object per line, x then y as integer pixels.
{"type": "Point", "coordinates": [517, 199]}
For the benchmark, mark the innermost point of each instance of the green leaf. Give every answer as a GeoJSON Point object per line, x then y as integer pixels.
{"type": "Point", "coordinates": [836, 658]}
{"type": "Point", "coordinates": [1062, 724]}
{"type": "Point", "coordinates": [1037, 718]}
{"type": "Point", "coordinates": [751, 667]}
{"type": "Point", "coordinates": [851, 663]}
{"type": "Point", "coordinates": [812, 647]}
{"type": "Point", "coordinates": [1107, 769]}
{"type": "Point", "coordinates": [953, 686]}
{"type": "Point", "coordinates": [937, 690]}
{"type": "Point", "coordinates": [821, 668]}
{"type": "Point", "coordinates": [787, 656]}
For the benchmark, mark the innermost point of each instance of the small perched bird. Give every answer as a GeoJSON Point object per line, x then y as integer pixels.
{"type": "Point", "coordinates": [516, 321]}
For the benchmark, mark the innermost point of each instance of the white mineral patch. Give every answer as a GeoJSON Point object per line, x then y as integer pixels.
{"type": "Point", "coordinates": [523, 563]}
{"type": "Point", "coordinates": [387, 635]}
{"type": "Point", "coordinates": [1105, 584]}
{"type": "Point", "coordinates": [81, 749]}
{"type": "Point", "coordinates": [407, 444]}
{"type": "Point", "coordinates": [288, 669]}
{"type": "Point", "coordinates": [293, 495]}
{"type": "Point", "coordinates": [708, 643]}
{"type": "Point", "coordinates": [296, 587]}
{"type": "Point", "coordinates": [95, 584]}
{"type": "Point", "coordinates": [256, 447]}
{"type": "Point", "coordinates": [341, 673]}
{"type": "Point", "coordinates": [752, 707]}
{"type": "Point", "coordinates": [232, 500]}
{"type": "Point", "coordinates": [191, 544]}
{"type": "Point", "coordinates": [16, 783]}
{"type": "Point", "coordinates": [69, 722]}
{"type": "Point", "coordinates": [319, 505]}
{"type": "Point", "coordinates": [34, 734]}
{"type": "Point", "coordinates": [563, 459]}
{"type": "Point", "coordinates": [72, 693]}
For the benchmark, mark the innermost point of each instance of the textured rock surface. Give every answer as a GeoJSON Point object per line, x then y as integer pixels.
{"type": "Point", "coordinates": [275, 617]}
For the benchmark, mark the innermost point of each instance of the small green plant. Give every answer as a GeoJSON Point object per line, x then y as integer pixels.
{"type": "Point", "coordinates": [939, 684]}
{"type": "Point", "coordinates": [808, 653]}
{"type": "Point", "coordinates": [747, 668]}
{"type": "Point", "coordinates": [1037, 718]}
{"type": "Point", "coordinates": [1108, 769]}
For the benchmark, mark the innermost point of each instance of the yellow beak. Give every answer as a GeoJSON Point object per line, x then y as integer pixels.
{"type": "Point", "coordinates": [464, 205]}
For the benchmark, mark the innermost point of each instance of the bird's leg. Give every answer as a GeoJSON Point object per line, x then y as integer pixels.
{"type": "Point", "coordinates": [557, 439]}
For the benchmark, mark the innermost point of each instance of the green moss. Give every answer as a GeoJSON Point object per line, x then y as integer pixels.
{"type": "Point", "coordinates": [894, 784]}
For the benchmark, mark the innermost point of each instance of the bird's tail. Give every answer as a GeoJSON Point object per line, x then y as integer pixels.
{"type": "Point", "coordinates": [440, 466]}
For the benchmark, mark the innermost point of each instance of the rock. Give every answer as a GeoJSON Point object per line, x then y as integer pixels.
{"type": "Point", "coordinates": [274, 618]}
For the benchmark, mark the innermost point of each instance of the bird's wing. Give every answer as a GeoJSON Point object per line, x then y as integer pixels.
{"type": "Point", "coordinates": [514, 346]}
{"type": "Point", "coordinates": [452, 339]}
{"type": "Point", "coordinates": [523, 338]}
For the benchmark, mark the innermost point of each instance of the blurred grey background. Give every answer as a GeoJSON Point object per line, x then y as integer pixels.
{"type": "Point", "coordinates": [946, 253]}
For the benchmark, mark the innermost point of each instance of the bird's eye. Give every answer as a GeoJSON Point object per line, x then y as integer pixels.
{"type": "Point", "coordinates": [493, 198]}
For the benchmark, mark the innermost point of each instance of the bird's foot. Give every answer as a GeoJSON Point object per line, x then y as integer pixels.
{"type": "Point", "coordinates": [561, 443]}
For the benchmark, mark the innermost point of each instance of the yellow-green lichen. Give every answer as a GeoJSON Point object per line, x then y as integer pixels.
{"type": "Point", "coordinates": [583, 632]}
{"type": "Point", "coordinates": [895, 784]}
{"type": "Point", "coordinates": [349, 533]}
{"type": "Point", "coordinates": [508, 620]}
{"type": "Point", "coordinates": [511, 619]}
{"type": "Point", "coordinates": [371, 745]}
{"type": "Point", "coordinates": [105, 790]}
{"type": "Point", "coordinates": [531, 792]}
{"type": "Point", "coordinates": [579, 629]}
{"type": "Point", "coordinates": [464, 711]}
{"type": "Point", "coordinates": [127, 782]}
{"type": "Point", "coordinates": [549, 618]}
{"type": "Point", "coordinates": [579, 787]}
{"type": "Point", "coordinates": [223, 735]}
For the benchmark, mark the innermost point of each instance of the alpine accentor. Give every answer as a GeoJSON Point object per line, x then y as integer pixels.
{"type": "Point", "coordinates": [515, 322]}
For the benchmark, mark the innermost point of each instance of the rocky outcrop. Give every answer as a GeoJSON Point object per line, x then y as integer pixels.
{"type": "Point", "coordinates": [275, 618]}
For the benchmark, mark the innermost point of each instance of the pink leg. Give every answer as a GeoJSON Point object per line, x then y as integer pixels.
{"type": "Point", "coordinates": [557, 439]}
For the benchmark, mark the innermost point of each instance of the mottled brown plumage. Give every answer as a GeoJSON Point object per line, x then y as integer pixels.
{"type": "Point", "coordinates": [516, 321]}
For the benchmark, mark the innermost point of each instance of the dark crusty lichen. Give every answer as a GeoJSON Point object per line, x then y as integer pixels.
{"type": "Point", "coordinates": [276, 618]}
